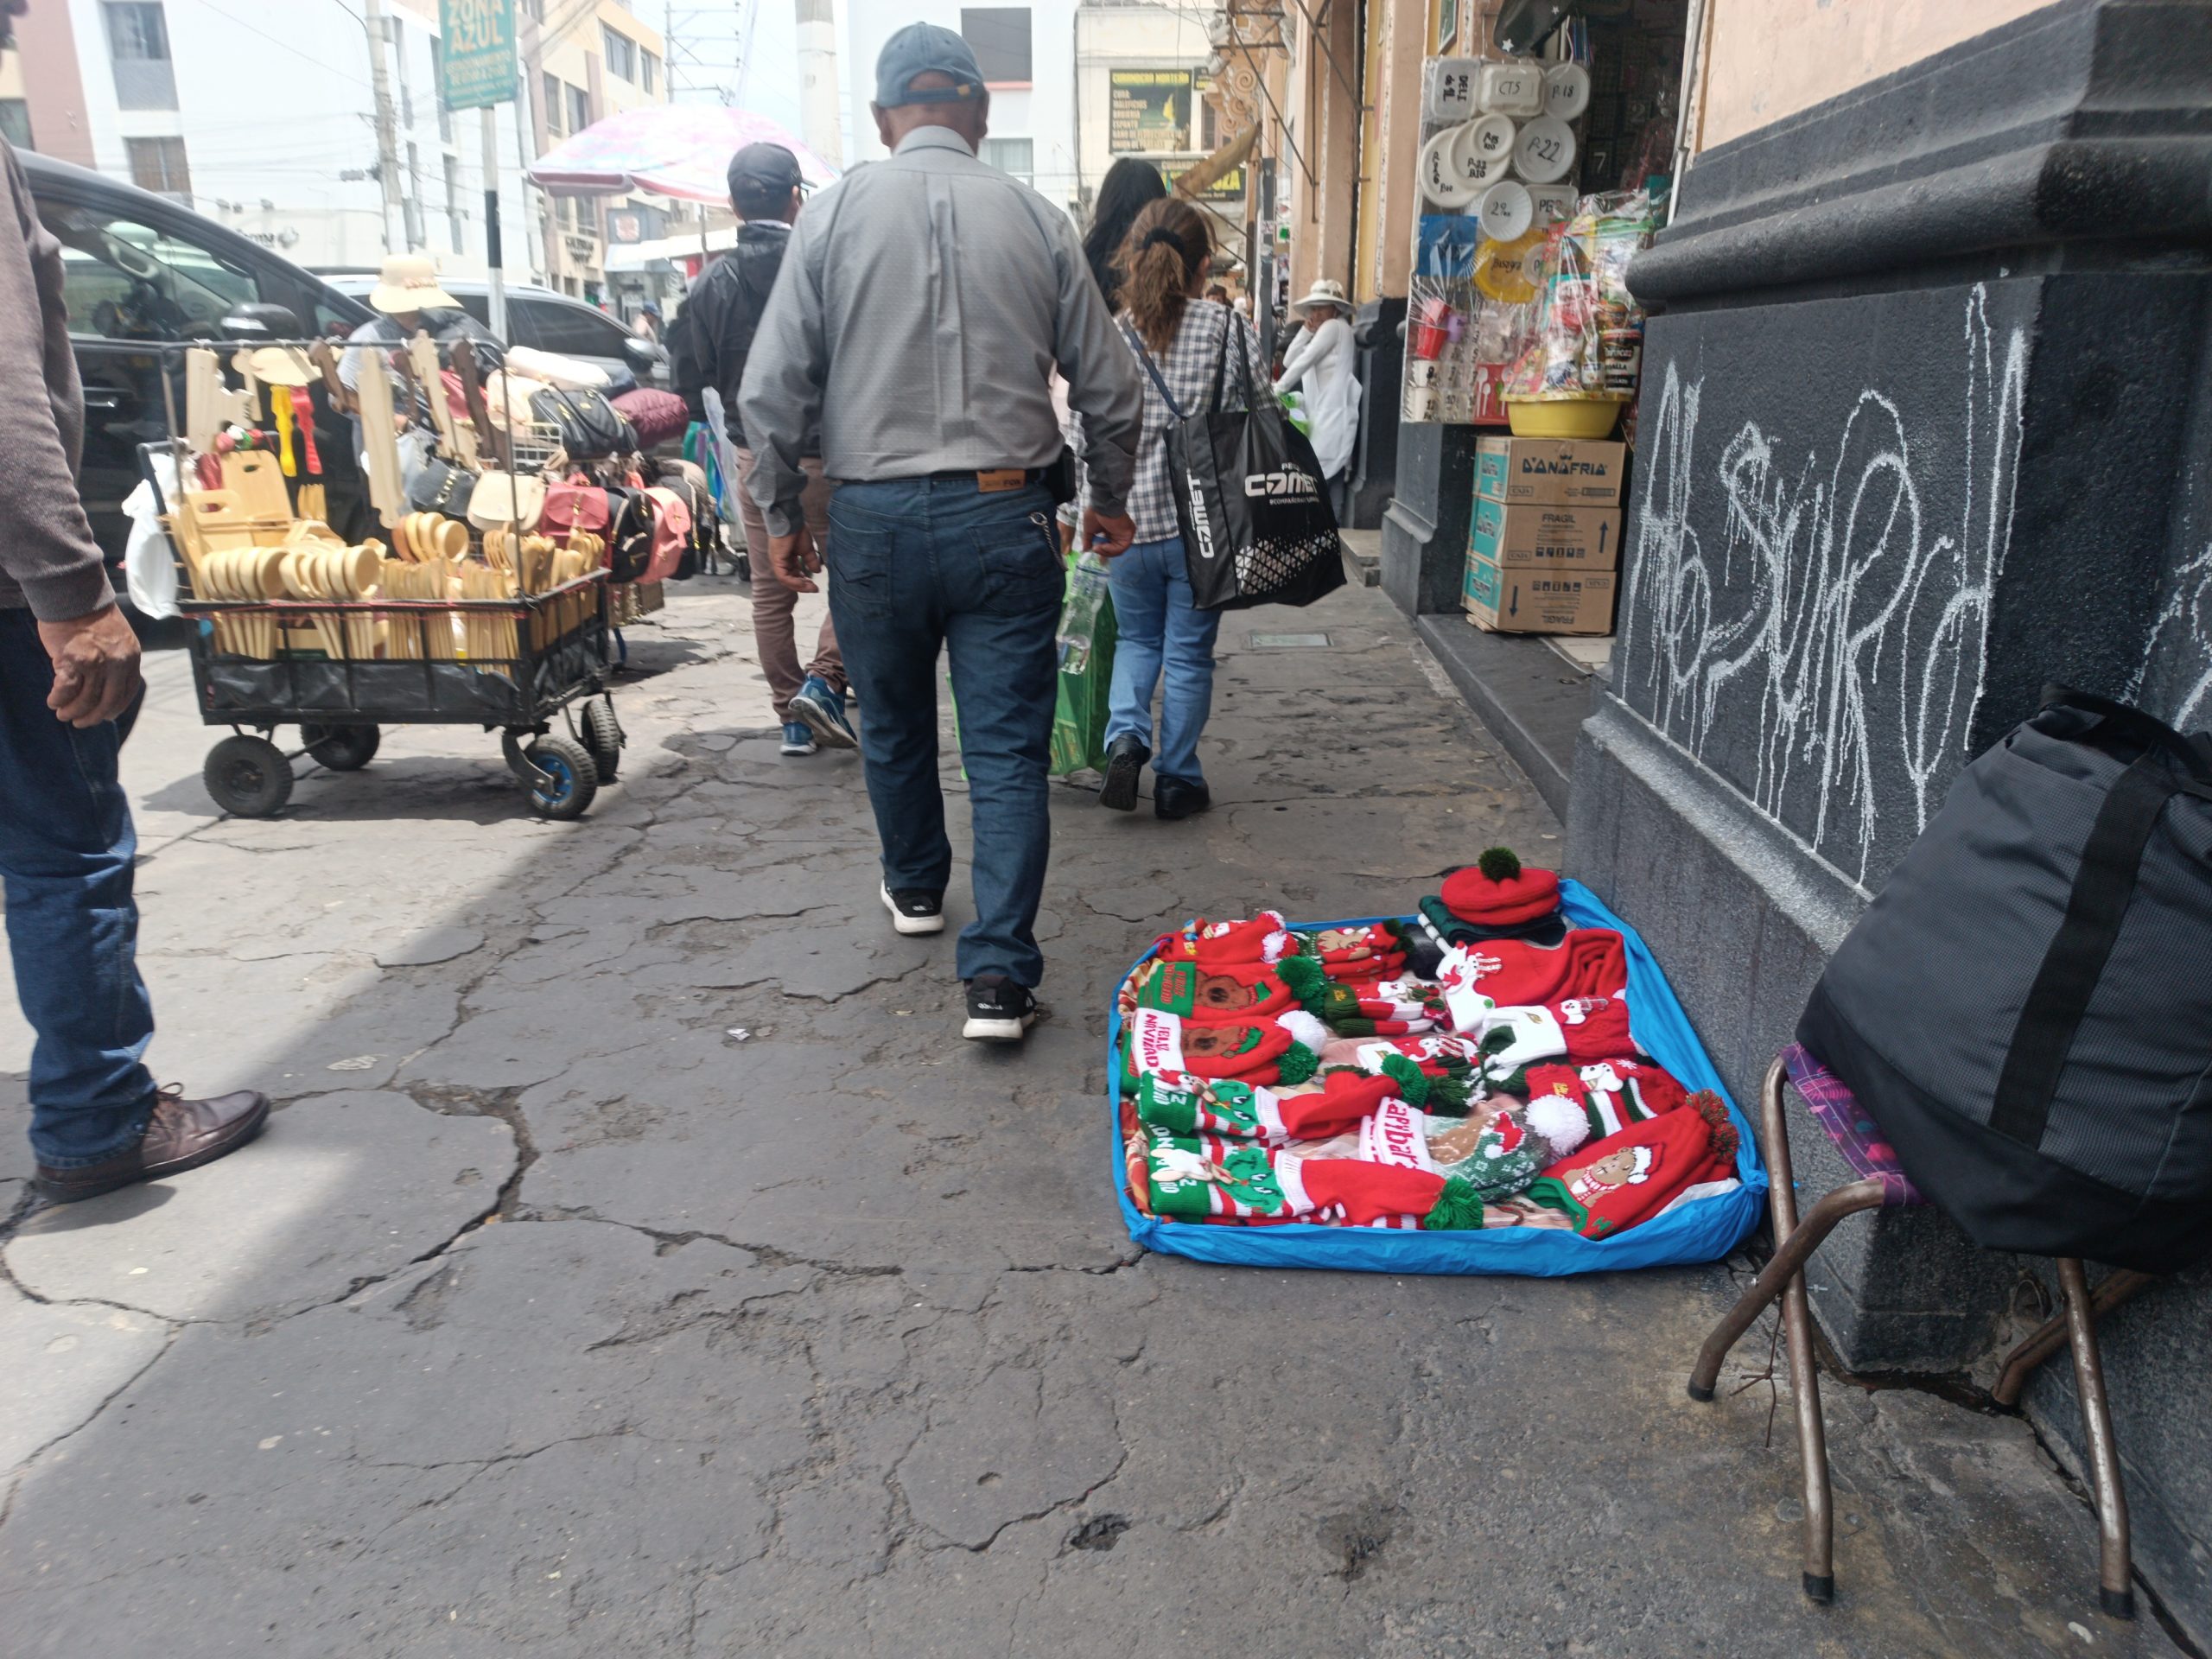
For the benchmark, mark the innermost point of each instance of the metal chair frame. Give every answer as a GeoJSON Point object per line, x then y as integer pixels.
{"type": "Point", "coordinates": [1783, 1276]}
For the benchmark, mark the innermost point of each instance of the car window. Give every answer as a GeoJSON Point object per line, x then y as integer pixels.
{"type": "Point", "coordinates": [123, 280]}
{"type": "Point", "coordinates": [572, 330]}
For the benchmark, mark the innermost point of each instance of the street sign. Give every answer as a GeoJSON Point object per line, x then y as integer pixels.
{"type": "Point", "coordinates": [477, 55]}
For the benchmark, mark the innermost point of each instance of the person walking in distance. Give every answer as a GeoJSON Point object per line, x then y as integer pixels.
{"type": "Point", "coordinates": [1185, 341]}
{"type": "Point", "coordinates": [69, 688]}
{"type": "Point", "coordinates": [721, 317]}
{"type": "Point", "coordinates": [919, 314]}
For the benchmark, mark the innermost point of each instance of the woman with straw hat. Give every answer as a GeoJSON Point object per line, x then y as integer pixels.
{"type": "Point", "coordinates": [1321, 361]}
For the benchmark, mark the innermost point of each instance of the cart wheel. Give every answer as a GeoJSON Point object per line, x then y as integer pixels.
{"type": "Point", "coordinates": [341, 748]}
{"type": "Point", "coordinates": [603, 737]}
{"type": "Point", "coordinates": [248, 776]}
{"type": "Point", "coordinates": [576, 777]}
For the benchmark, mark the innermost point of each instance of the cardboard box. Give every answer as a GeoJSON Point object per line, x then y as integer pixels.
{"type": "Point", "coordinates": [1545, 537]}
{"type": "Point", "coordinates": [1525, 600]}
{"type": "Point", "coordinates": [1564, 471]}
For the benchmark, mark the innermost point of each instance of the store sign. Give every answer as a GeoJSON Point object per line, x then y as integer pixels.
{"type": "Point", "coordinates": [1150, 111]}
{"type": "Point", "coordinates": [1230, 187]}
{"type": "Point", "coordinates": [477, 56]}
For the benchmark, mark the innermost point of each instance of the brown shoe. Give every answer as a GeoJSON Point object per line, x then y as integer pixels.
{"type": "Point", "coordinates": [183, 1135]}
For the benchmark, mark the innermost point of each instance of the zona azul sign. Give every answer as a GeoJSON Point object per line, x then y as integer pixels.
{"type": "Point", "coordinates": [478, 52]}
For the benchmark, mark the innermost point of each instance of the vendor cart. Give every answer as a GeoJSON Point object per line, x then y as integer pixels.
{"type": "Point", "coordinates": [332, 681]}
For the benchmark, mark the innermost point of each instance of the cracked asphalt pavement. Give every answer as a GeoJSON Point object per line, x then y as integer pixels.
{"type": "Point", "coordinates": [639, 1263]}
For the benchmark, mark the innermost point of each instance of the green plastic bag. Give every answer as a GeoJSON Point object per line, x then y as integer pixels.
{"type": "Point", "coordinates": [1087, 637]}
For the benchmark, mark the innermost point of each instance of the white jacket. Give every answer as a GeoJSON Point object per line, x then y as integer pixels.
{"type": "Point", "coordinates": [1320, 360]}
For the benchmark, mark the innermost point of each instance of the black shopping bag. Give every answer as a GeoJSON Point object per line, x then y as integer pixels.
{"type": "Point", "coordinates": [1257, 527]}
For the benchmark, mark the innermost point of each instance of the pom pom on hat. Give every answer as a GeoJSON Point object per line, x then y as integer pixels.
{"type": "Point", "coordinates": [1498, 890]}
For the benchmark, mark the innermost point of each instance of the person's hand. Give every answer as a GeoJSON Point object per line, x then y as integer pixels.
{"type": "Point", "coordinates": [794, 559]}
{"type": "Point", "coordinates": [1108, 534]}
{"type": "Point", "coordinates": [95, 666]}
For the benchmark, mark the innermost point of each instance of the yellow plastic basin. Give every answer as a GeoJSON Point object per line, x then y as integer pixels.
{"type": "Point", "coordinates": [1565, 417]}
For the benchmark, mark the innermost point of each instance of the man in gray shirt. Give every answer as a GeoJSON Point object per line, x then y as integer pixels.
{"type": "Point", "coordinates": [921, 309]}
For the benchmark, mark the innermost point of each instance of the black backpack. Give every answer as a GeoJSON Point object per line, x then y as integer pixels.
{"type": "Point", "coordinates": [2026, 1010]}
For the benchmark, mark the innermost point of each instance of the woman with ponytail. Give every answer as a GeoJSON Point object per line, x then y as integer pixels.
{"type": "Point", "coordinates": [1164, 263]}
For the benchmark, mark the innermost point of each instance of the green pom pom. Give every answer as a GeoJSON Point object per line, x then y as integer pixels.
{"type": "Point", "coordinates": [1499, 864]}
{"type": "Point", "coordinates": [1447, 1097]}
{"type": "Point", "coordinates": [1413, 1082]}
{"type": "Point", "coordinates": [1306, 981]}
{"type": "Point", "coordinates": [1298, 1064]}
{"type": "Point", "coordinates": [1459, 1209]}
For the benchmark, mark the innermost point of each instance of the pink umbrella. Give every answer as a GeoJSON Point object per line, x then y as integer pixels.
{"type": "Point", "coordinates": [669, 150]}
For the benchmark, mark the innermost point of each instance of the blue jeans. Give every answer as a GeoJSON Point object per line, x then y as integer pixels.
{"type": "Point", "coordinates": [920, 564]}
{"type": "Point", "coordinates": [66, 852]}
{"type": "Point", "coordinates": [1163, 637]}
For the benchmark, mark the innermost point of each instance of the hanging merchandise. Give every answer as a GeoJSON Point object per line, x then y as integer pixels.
{"type": "Point", "coordinates": [1544, 152]}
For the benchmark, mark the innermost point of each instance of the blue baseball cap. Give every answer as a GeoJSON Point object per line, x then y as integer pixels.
{"type": "Point", "coordinates": [920, 49]}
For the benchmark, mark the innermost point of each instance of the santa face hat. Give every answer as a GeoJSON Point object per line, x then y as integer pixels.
{"type": "Point", "coordinates": [1283, 1049]}
{"type": "Point", "coordinates": [1497, 891]}
{"type": "Point", "coordinates": [1265, 938]}
{"type": "Point", "coordinates": [1211, 994]}
{"type": "Point", "coordinates": [1612, 1184]}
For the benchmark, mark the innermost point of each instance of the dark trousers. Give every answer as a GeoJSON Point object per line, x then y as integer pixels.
{"type": "Point", "coordinates": [66, 852]}
{"type": "Point", "coordinates": [918, 565]}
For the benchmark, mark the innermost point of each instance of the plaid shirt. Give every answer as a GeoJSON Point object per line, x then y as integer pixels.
{"type": "Point", "coordinates": [1188, 369]}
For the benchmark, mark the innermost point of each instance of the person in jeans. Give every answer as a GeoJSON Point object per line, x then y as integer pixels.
{"type": "Point", "coordinates": [721, 317]}
{"type": "Point", "coordinates": [1165, 641]}
{"type": "Point", "coordinates": [924, 302]}
{"type": "Point", "coordinates": [69, 687]}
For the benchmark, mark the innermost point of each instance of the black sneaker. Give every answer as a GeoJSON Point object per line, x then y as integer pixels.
{"type": "Point", "coordinates": [1172, 797]}
{"type": "Point", "coordinates": [915, 910]}
{"type": "Point", "coordinates": [999, 1011]}
{"type": "Point", "coordinates": [1125, 759]}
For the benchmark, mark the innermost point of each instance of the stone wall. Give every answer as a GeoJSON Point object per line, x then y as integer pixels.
{"type": "Point", "coordinates": [1925, 423]}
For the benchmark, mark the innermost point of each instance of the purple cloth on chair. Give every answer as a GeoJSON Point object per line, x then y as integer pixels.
{"type": "Point", "coordinates": [1856, 1135]}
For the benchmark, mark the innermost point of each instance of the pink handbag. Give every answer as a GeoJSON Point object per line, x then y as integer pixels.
{"type": "Point", "coordinates": [671, 533]}
{"type": "Point", "coordinates": [572, 505]}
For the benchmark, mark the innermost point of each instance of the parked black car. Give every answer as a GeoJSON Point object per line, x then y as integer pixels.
{"type": "Point", "coordinates": [140, 270]}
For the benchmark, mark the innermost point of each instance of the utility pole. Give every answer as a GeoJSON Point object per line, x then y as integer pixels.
{"type": "Point", "coordinates": [387, 136]}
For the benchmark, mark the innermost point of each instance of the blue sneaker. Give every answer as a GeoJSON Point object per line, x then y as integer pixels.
{"type": "Point", "coordinates": [823, 711]}
{"type": "Point", "coordinates": [797, 739]}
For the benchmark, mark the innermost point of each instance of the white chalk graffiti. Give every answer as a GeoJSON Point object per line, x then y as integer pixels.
{"type": "Point", "coordinates": [2180, 651]}
{"type": "Point", "coordinates": [1840, 669]}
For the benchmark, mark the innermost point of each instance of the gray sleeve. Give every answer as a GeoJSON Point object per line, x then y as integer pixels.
{"type": "Point", "coordinates": [1103, 392]}
{"type": "Point", "coordinates": [780, 401]}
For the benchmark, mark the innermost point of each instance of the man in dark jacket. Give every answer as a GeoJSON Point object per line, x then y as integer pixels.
{"type": "Point", "coordinates": [69, 686]}
{"type": "Point", "coordinates": [711, 350]}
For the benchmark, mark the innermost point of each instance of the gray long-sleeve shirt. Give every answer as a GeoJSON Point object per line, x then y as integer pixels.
{"type": "Point", "coordinates": [919, 312]}
{"type": "Point", "coordinates": [48, 560]}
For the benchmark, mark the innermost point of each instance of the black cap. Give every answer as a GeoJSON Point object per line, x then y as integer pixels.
{"type": "Point", "coordinates": [920, 49]}
{"type": "Point", "coordinates": [764, 169]}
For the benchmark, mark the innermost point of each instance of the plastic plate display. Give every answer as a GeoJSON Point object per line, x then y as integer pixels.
{"type": "Point", "coordinates": [1703, 1230]}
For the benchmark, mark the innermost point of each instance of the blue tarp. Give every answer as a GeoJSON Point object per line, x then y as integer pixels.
{"type": "Point", "coordinates": [1703, 1230]}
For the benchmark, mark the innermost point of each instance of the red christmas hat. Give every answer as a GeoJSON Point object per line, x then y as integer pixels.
{"type": "Point", "coordinates": [1497, 891]}
{"type": "Point", "coordinates": [1627, 1177]}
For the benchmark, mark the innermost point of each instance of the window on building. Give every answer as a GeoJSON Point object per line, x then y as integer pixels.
{"type": "Point", "coordinates": [157, 164]}
{"type": "Point", "coordinates": [1015, 158]}
{"type": "Point", "coordinates": [999, 36]}
{"type": "Point", "coordinates": [138, 47]}
{"type": "Point", "coordinates": [15, 123]}
{"type": "Point", "coordinates": [437, 89]}
{"type": "Point", "coordinates": [455, 231]}
{"type": "Point", "coordinates": [620, 51]}
{"type": "Point", "coordinates": [648, 70]}
{"type": "Point", "coordinates": [579, 110]}
{"type": "Point", "coordinates": [556, 107]}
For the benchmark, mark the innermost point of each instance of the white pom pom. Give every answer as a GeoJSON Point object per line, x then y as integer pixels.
{"type": "Point", "coordinates": [1304, 1028]}
{"type": "Point", "coordinates": [1560, 1121]}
